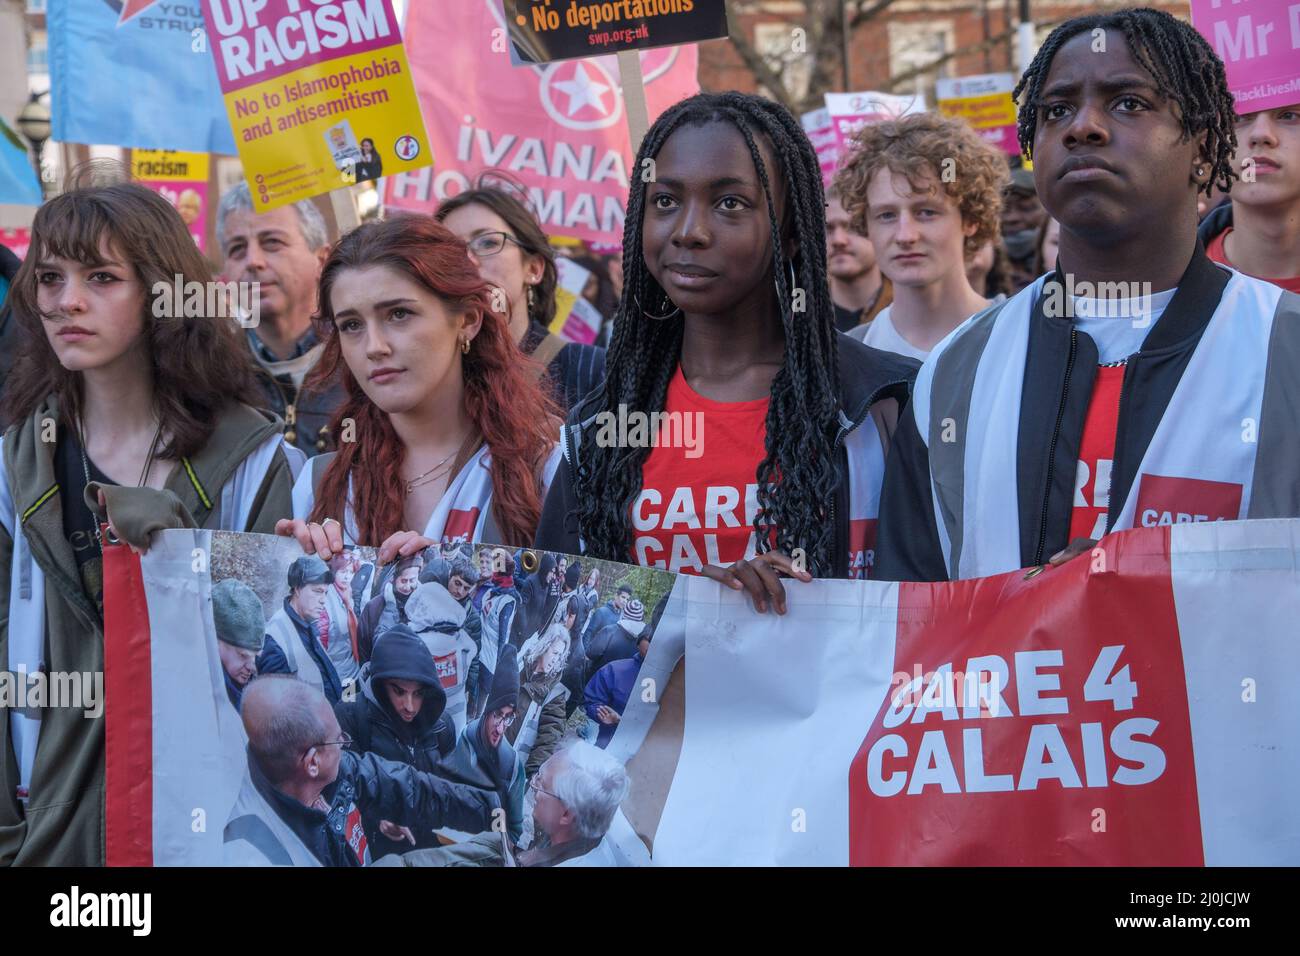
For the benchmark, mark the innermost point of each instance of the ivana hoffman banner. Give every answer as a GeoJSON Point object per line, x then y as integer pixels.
{"type": "Point", "coordinates": [1133, 707]}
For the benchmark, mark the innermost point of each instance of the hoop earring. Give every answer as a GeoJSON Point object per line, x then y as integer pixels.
{"type": "Point", "coordinates": [657, 318]}
{"type": "Point", "coordinates": [464, 346]}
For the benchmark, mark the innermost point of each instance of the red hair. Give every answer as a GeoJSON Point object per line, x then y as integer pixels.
{"type": "Point", "coordinates": [503, 394]}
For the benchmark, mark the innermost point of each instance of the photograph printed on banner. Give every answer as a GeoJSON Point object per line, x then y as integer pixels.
{"type": "Point", "coordinates": [450, 708]}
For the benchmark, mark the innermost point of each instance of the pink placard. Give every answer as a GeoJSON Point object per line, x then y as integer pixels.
{"type": "Point", "coordinates": [560, 128]}
{"type": "Point", "coordinates": [1259, 43]}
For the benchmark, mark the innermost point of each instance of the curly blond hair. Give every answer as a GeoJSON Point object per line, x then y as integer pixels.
{"type": "Point", "coordinates": [924, 146]}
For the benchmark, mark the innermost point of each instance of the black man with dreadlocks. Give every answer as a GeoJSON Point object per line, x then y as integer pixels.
{"type": "Point", "coordinates": [1137, 385]}
{"type": "Point", "coordinates": [738, 434]}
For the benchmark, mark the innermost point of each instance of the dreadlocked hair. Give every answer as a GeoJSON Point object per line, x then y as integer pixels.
{"type": "Point", "coordinates": [1184, 66]}
{"type": "Point", "coordinates": [503, 396]}
{"type": "Point", "coordinates": [797, 476]}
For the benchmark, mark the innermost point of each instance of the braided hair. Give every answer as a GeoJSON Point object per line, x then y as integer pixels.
{"type": "Point", "coordinates": [797, 477]}
{"type": "Point", "coordinates": [1184, 66]}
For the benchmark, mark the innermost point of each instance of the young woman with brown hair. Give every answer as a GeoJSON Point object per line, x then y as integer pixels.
{"type": "Point", "coordinates": [118, 395]}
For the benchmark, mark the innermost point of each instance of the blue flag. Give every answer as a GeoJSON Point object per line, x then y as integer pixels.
{"type": "Point", "coordinates": [18, 182]}
{"type": "Point", "coordinates": [135, 73]}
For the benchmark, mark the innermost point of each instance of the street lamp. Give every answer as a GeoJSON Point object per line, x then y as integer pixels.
{"type": "Point", "coordinates": [34, 123]}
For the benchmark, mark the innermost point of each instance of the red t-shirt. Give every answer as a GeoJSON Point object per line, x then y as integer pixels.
{"type": "Point", "coordinates": [1096, 453]}
{"type": "Point", "coordinates": [698, 498]}
{"type": "Point", "coordinates": [1216, 251]}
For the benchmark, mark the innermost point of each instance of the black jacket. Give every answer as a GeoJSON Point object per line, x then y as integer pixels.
{"type": "Point", "coordinates": [381, 790]}
{"type": "Point", "coordinates": [376, 728]}
{"type": "Point", "coordinates": [1215, 222]}
{"type": "Point", "coordinates": [1060, 368]}
{"type": "Point", "coordinates": [313, 410]}
{"type": "Point", "coordinates": [867, 375]}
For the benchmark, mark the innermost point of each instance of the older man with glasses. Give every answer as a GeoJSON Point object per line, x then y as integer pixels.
{"type": "Point", "coordinates": [575, 796]}
{"type": "Point", "coordinates": [306, 799]}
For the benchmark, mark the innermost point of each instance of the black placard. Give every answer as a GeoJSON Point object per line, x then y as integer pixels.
{"type": "Point", "coordinates": [546, 30]}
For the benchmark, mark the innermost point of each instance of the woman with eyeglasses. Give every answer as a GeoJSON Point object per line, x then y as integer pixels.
{"type": "Point", "coordinates": [511, 252]}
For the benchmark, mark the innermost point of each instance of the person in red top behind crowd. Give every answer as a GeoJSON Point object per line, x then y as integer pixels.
{"type": "Point", "coordinates": [738, 434]}
{"type": "Point", "coordinates": [1258, 232]}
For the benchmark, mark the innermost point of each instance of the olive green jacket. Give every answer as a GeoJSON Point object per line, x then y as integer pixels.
{"type": "Point", "coordinates": [62, 822]}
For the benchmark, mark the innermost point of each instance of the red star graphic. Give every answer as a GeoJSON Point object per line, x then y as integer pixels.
{"type": "Point", "coordinates": [133, 8]}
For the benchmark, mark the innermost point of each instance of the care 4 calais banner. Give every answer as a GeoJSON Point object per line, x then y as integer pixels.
{"type": "Point", "coordinates": [560, 129]}
{"type": "Point", "coordinates": [319, 94]}
{"type": "Point", "coordinates": [134, 73]}
{"type": "Point", "coordinates": [1134, 707]}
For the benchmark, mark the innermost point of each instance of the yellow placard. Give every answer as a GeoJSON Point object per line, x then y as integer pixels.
{"type": "Point", "coordinates": [305, 132]}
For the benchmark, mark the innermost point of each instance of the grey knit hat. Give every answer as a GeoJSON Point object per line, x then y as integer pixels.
{"type": "Point", "coordinates": [238, 616]}
{"type": "Point", "coordinates": [634, 610]}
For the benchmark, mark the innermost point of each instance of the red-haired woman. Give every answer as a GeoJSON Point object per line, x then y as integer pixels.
{"type": "Point", "coordinates": [445, 427]}
{"type": "Point", "coordinates": [338, 616]}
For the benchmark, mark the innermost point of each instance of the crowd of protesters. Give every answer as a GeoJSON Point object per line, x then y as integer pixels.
{"type": "Point", "coordinates": [910, 376]}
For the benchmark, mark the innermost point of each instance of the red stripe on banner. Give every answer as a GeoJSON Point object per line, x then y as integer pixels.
{"type": "Point", "coordinates": [128, 713]}
{"type": "Point", "coordinates": [1080, 755]}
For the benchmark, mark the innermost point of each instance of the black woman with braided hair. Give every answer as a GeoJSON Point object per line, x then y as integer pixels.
{"type": "Point", "coordinates": [738, 434]}
{"type": "Point", "coordinates": [1138, 384]}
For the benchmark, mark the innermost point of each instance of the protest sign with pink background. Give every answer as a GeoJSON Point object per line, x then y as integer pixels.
{"type": "Point", "coordinates": [1259, 43]}
{"type": "Point", "coordinates": [559, 128]}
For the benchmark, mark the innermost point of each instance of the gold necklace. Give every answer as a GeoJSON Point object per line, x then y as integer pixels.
{"type": "Point", "coordinates": [428, 476]}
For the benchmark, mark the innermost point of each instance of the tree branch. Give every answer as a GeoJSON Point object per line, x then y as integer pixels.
{"type": "Point", "coordinates": [765, 75]}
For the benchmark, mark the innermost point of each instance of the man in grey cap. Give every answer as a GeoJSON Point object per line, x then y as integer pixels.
{"type": "Point", "coordinates": [293, 644]}
{"type": "Point", "coordinates": [241, 632]}
{"type": "Point", "coordinates": [1022, 215]}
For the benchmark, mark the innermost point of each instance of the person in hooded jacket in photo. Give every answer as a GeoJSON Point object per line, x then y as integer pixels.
{"type": "Point", "coordinates": [483, 756]}
{"type": "Point", "coordinates": [537, 601]}
{"type": "Point", "coordinates": [399, 716]}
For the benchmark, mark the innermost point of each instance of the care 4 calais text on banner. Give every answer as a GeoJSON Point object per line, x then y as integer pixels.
{"type": "Point", "coordinates": [319, 94]}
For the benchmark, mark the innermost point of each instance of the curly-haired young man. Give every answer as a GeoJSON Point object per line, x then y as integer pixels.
{"type": "Point", "coordinates": [927, 191]}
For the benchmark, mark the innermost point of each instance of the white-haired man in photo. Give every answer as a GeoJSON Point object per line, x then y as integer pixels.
{"type": "Point", "coordinates": [575, 796]}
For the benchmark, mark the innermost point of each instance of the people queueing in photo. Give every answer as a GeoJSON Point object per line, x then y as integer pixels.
{"type": "Point", "coordinates": [483, 756]}
{"type": "Point", "coordinates": [542, 697]}
{"type": "Point", "coordinates": [438, 619]}
{"type": "Point", "coordinates": [1111, 413]}
{"type": "Point", "coordinates": [606, 695]}
{"type": "Point", "coordinates": [307, 800]}
{"type": "Point", "coordinates": [240, 623]}
{"type": "Point", "coordinates": [293, 633]}
{"type": "Point", "coordinates": [727, 318]}
{"type": "Point", "coordinates": [618, 641]}
{"type": "Point", "coordinates": [512, 254]}
{"type": "Point", "coordinates": [399, 715]}
{"type": "Point", "coordinates": [500, 608]}
{"type": "Point", "coordinates": [338, 618]}
{"type": "Point", "coordinates": [424, 361]}
{"type": "Point", "coordinates": [120, 400]}
{"type": "Point", "coordinates": [926, 190]}
{"type": "Point", "coordinates": [278, 255]}
{"type": "Point", "coordinates": [388, 607]}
